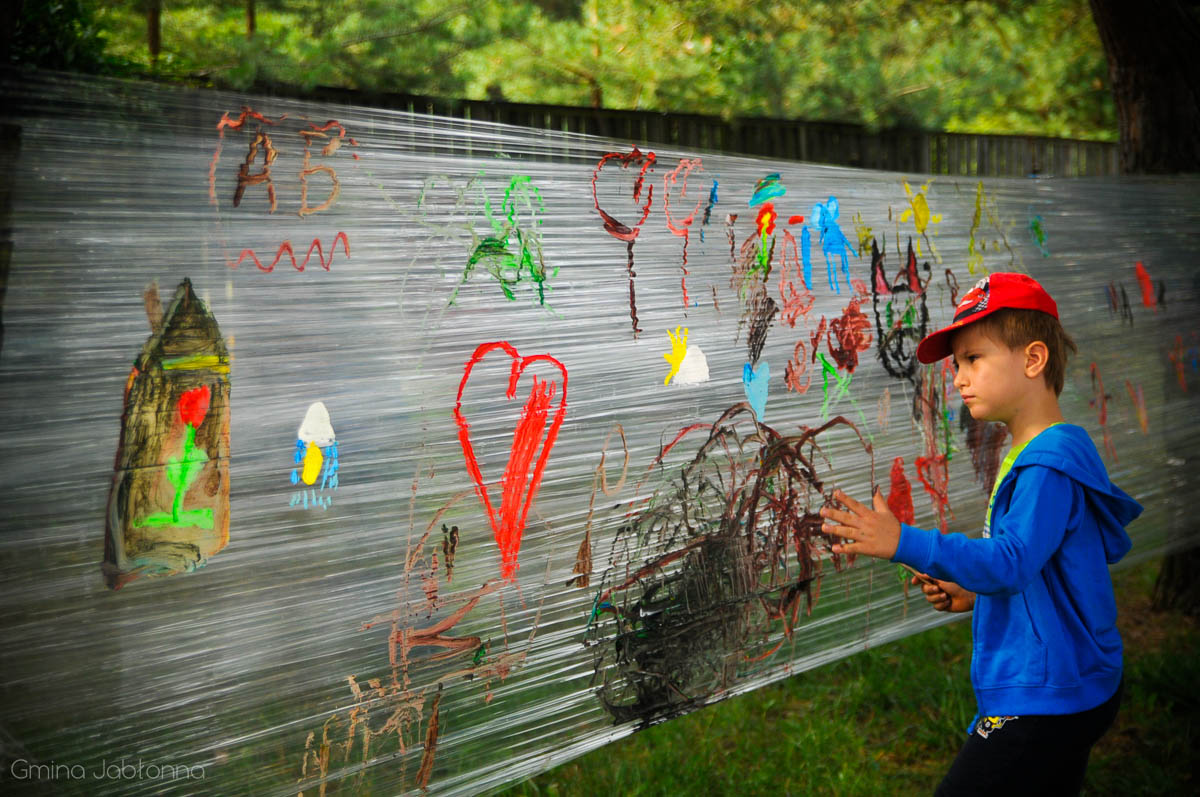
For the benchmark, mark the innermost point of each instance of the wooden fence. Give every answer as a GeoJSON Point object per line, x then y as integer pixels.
{"type": "Point", "coordinates": [902, 150]}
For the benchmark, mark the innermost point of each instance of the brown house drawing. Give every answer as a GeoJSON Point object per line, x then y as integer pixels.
{"type": "Point", "coordinates": [168, 510]}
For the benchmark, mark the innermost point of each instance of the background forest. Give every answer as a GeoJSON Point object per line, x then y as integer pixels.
{"type": "Point", "coordinates": [1013, 66]}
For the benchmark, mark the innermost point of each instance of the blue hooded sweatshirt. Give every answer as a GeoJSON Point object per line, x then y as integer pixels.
{"type": "Point", "coordinates": [1045, 633]}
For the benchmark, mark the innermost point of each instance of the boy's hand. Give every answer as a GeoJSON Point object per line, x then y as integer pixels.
{"type": "Point", "coordinates": [875, 533]}
{"type": "Point", "coordinates": [946, 596]}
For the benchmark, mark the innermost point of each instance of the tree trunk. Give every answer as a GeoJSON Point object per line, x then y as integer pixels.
{"type": "Point", "coordinates": [251, 19]}
{"type": "Point", "coordinates": [154, 29]}
{"type": "Point", "coordinates": [1177, 587]}
{"type": "Point", "coordinates": [1153, 51]}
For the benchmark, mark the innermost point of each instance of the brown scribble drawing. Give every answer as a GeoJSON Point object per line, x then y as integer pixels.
{"type": "Point", "coordinates": [246, 179]}
{"type": "Point", "coordinates": [849, 334]}
{"type": "Point", "coordinates": [744, 267]}
{"type": "Point", "coordinates": [431, 738]}
{"type": "Point", "coordinates": [706, 580]}
{"type": "Point", "coordinates": [402, 715]}
{"type": "Point", "coordinates": [583, 559]}
{"type": "Point", "coordinates": [309, 170]}
{"type": "Point", "coordinates": [884, 409]}
{"type": "Point", "coordinates": [986, 441]}
{"type": "Point", "coordinates": [933, 468]}
{"type": "Point", "coordinates": [1099, 402]}
{"type": "Point", "coordinates": [261, 140]}
{"type": "Point", "coordinates": [796, 368]}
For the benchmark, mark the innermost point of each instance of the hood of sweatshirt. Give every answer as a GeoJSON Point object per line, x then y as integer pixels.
{"type": "Point", "coordinates": [1069, 449]}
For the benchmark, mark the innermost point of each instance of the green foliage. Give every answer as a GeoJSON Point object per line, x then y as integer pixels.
{"type": "Point", "coordinates": [61, 34]}
{"type": "Point", "coordinates": [989, 67]}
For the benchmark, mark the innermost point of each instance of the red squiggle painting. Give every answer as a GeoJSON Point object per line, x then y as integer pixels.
{"type": "Point", "coordinates": [520, 484]}
{"type": "Point", "coordinates": [684, 225]}
{"type": "Point", "coordinates": [286, 246]}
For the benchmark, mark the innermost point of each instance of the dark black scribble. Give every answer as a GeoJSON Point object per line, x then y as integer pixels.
{"type": "Point", "coordinates": [1119, 305]}
{"type": "Point", "coordinates": [760, 309]}
{"type": "Point", "coordinates": [706, 582]}
{"type": "Point", "coordinates": [731, 235]}
{"type": "Point", "coordinates": [449, 547]}
{"type": "Point", "coordinates": [1161, 298]}
{"type": "Point", "coordinates": [899, 327]}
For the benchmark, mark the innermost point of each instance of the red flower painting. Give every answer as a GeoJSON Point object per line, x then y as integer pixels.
{"type": "Point", "coordinates": [193, 406]}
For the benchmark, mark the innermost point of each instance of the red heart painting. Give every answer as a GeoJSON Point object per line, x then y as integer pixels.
{"type": "Point", "coordinates": [520, 483]}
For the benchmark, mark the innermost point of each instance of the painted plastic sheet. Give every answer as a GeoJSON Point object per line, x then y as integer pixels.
{"type": "Point", "coordinates": [348, 450]}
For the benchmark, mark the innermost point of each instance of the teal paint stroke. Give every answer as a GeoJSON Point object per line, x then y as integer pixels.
{"type": "Point", "coordinates": [754, 382]}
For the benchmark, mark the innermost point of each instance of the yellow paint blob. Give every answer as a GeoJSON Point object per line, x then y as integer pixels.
{"type": "Point", "coordinates": [312, 464]}
{"type": "Point", "coordinates": [677, 353]}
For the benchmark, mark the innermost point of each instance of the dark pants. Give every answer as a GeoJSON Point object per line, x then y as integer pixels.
{"type": "Point", "coordinates": [1030, 755]}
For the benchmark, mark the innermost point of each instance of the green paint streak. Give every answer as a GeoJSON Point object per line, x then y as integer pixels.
{"type": "Point", "coordinates": [512, 266]}
{"type": "Point", "coordinates": [843, 383]}
{"type": "Point", "coordinates": [910, 316]}
{"type": "Point", "coordinates": [182, 472]}
{"type": "Point", "coordinates": [890, 319]}
{"type": "Point", "coordinates": [974, 255]}
{"type": "Point", "coordinates": [189, 518]}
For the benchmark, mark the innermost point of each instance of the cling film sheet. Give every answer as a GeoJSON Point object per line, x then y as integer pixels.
{"type": "Point", "coordinates": [347, 450]}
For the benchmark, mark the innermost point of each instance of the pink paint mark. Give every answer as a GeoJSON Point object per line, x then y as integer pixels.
{"type": "Point", "coordinates": [899, 499]}
{"type": "Point", "coordinates": [286, 246]}
{"type": "Point", "coordinates": [683, 228]}
{"type": "Point", "coordinates": [519, 485]}
{"type": "Point", "coordinates": [1143, 278]}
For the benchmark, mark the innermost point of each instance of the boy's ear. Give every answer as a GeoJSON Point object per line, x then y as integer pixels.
{"type": "Point", "coordinates": [1037, 357]}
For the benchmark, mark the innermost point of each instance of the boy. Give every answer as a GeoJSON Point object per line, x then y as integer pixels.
{"type": "Point", "coordinates": [1046, 665]}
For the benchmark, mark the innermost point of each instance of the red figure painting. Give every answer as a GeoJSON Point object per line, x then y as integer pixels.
{"type": "Point", "coordinates": [533, 438]}
{"type": "Point", "coordinates": [899, 499]}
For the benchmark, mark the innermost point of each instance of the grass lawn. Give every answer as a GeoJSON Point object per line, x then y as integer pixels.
{"type": "Point", "coordinates": [890, 720]}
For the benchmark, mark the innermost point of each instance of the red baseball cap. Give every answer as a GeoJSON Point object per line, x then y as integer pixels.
{"type": "Point", "coordinates": [994, 292]}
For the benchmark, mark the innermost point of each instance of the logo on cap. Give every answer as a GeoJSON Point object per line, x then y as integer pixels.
{"type": "Point", "coordinates": [976, 301]}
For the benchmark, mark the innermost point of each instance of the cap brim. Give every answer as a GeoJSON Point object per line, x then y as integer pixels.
{"type": "Point", "coordinates": [936, 345]}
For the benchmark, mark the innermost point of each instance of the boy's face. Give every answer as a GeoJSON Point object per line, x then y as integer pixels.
{"type": "Point", "coordinates": [989, 375]}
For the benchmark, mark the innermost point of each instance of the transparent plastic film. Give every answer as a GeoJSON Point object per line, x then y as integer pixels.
{"type": "Point", "coordinates": [350, 450]}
